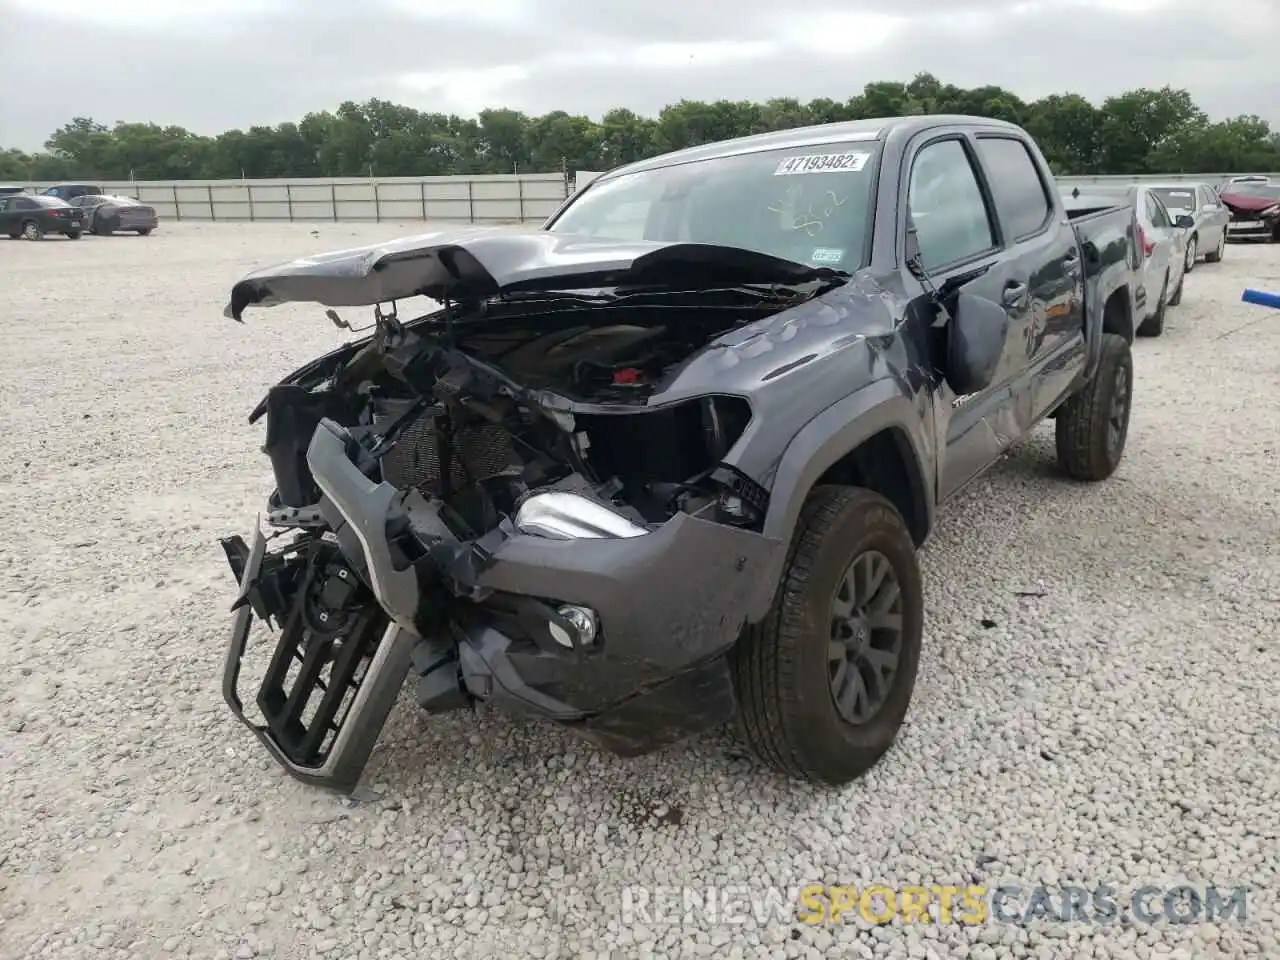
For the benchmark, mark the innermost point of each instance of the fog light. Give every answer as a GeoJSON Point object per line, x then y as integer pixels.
{"type": "Point", "coordinates": [584, 623]}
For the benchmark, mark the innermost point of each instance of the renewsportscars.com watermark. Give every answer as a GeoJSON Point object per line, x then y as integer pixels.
{"type": "Point", "coordinates": [971, 905]}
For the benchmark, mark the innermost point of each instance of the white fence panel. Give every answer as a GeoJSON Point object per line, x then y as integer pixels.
{"type": "Point", "coordinates": [1213, 179]}
{"type": "Point", "coordinates": [499, 198]}
{"type": "Point", "coordinates": [496, 198]}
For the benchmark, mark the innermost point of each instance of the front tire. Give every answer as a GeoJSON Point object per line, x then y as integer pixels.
{"type": "Point", "coordinates": [824, 682]}
{"type": "Point", "coordinates": [31, 231]}
{"type": "Point", "coordinates": [1192, 252]}
{"type": "Point", "coordinates": [1093, 425]}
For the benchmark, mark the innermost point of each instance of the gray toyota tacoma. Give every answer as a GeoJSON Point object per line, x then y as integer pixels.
{"type": "Point", "coordinates": [667, 458]}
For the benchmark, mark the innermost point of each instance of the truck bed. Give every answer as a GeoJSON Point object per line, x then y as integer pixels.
{"type": "Point", "coordinates": [1108, 238]}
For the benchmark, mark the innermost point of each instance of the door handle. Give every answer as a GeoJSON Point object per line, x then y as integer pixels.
{"type": "Point", "coordinates": [1015, 294]}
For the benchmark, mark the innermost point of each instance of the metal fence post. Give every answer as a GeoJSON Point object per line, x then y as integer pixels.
{"type": "Point", "coordinates": [471, 202]}
{"type": "Point", "coordinates": [248, 189]}
{"type": "Point", "coordinates": [177, 207]}
{"type": "Point", "coordinates": [288, 198]}
{"type": "Point", "coordinates": [213, 214]}
{"type": "Point", "coordinates": [377, 205]}
{"type": "Point", "coordinates": [520, 194]}
{"type": "Point", "coordinates": [333, 200]}
{"type": "Point", "coordinates": [422, 195]}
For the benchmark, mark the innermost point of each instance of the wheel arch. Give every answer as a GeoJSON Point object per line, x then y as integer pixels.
{"type": "Point", "coordinates": [1117, 314]}
{"type": "Point", "coordinates": [873, 438]}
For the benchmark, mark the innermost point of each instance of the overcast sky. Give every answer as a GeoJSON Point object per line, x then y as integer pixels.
{"type": "Point", "coordinates": [211, 65]}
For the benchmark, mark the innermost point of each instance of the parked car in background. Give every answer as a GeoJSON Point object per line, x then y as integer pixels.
{"type": "Point", "coordinates": [107, 214]}
{"type": "Point", "coordinates": [1161, 245]}
{"type": "Point", "coordinates": [69, 191]}
{"type": "Point", "coordinates": [1248, 178]}
{"type": "Point", "coordinates": [32, 218]}
{"type": "Point", "coordinates": [1255, 210]}
{"type": "Point", "coordinates": [1207, 236]}
{"type": "Point", "coordinates": [9, 190]}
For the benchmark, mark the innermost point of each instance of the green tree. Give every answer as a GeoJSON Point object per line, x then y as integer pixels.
{"type": "Point", "coordinates": [1141, 131]}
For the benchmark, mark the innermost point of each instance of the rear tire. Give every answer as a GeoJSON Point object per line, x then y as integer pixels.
{"type": "Point", "coordinates": [786, 670]}
{"type": "Point", "coordinates": [1177, 294]}
{"type": "Point", "coordinates": [74, 235]}
{"type": "Point", "coordinates": [144, 232]}
{"type": "Point", "coordinates": [1216, 255]}
{"type": "Point", "coordinates": [1153, 326]}
{"type": "Point", "coordinates": [1093, 425]}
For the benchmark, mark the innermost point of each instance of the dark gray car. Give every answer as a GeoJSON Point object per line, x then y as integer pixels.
{"type": "Point", "coordinates": [105, 215]}
{"type": "Point", "coordinates": [34, 218]}
{"type": "Point", "coordinates": [669, 458]}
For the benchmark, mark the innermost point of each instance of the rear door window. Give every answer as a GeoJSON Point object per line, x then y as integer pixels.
{"type": "Point", "coordinates": [1022, 201]}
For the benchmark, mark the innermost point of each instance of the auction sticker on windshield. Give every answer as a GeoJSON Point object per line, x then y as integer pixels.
{"type": "Point", "coordinates": [851, 162]}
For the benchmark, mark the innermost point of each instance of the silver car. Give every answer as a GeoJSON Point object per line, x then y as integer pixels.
{"type": "Point", "coordinates": [1162, 238]}
{"type": "Point", "coordinates": [1207, 237]}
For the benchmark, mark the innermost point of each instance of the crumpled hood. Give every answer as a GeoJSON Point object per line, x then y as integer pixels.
{"type": "Point", "coordinates": [469, 262]}
{"type": "Point", "coordinates": [1247, 203]}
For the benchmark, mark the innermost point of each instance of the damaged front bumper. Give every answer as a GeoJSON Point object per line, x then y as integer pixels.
{"type": "Point", "coordinates": [617, 633]}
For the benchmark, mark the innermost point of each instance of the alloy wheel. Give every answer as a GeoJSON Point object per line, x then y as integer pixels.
{"type": "Point", "coordinates": [1118, 416]}
{"type": "Point", "coordinates": [865, 640]}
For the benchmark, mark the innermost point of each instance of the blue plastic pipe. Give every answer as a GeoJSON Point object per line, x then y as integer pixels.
{"type": "Point", "coordinates": [1262, 299]}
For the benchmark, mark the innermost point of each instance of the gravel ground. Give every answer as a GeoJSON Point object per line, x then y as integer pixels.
{"type": "Point", "coordinates": [1096, 705]}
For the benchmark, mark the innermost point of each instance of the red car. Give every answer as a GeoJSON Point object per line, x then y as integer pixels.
{"type": "Point", "coordinates": [1255, 210]}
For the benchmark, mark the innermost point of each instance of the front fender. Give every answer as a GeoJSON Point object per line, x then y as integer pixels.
{"type": "Point", "coordinates": [825, 440]}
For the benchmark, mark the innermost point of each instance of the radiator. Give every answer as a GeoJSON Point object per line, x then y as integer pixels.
{"type": "Point", "coordinates": [479, 450]}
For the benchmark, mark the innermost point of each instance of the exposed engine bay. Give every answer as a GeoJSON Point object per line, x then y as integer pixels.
{"type": "Point", "coordinates": [481, 409]}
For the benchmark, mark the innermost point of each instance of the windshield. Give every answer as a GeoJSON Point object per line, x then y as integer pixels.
{"type": "Point", "coordinates": [1253, 189]}
{"type": "Point", "coordinates": [808, 204]}
{"type": "Point", "coordinates": [1176, 198]}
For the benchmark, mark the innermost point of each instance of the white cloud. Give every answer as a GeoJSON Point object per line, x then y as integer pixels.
{"type": "Point", "coordinates": [211, 66]}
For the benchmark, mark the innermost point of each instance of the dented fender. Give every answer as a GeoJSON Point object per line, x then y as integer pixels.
{"type": "Point", "coordinates": [835, 432]}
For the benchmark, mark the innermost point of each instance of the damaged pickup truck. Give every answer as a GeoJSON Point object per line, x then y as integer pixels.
{"type": "Point", "coordinates": [668, 457]}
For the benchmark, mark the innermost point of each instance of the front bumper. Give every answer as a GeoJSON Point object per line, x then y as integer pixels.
{"type": "Point", "coordinates": [669, 603]}
{"type": "Point", "coordinates": [1250, 229]}
{"type": "Point", "coordinates": [372, 695]}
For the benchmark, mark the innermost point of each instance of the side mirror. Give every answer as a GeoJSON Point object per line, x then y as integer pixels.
{"type": "Point", "coordinates": [1184, 221]}
{"type": "Point", "coordinates": [976, 336]}
{"type": "Point", "coordinates": [1209, 208]}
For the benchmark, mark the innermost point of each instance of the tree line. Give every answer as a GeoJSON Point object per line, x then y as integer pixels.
{"type": "Point", "coordinates": [1143, 131]}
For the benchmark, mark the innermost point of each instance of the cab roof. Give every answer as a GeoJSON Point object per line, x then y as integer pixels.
{"type": "Point", "coordinates": [872, 129]}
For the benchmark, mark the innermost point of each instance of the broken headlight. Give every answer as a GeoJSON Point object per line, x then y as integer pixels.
{"type": "Point", "coordinates": [559, 515]}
